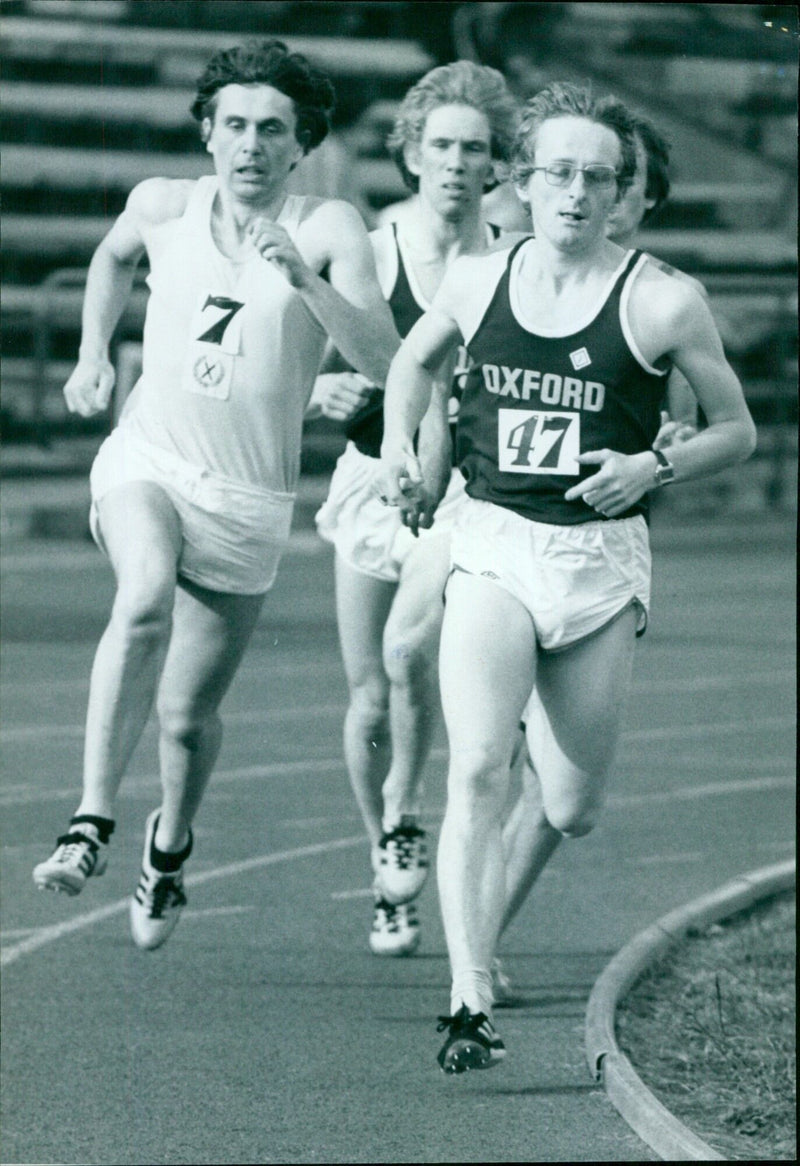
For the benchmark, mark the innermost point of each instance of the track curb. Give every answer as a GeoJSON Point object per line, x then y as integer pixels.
{"type": "Point", "coordinates": [647, 1117]}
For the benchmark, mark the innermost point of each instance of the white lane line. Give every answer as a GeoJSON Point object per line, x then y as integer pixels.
{"type": "Point", "coordinates": [700, 730]}
{"type": "Point", "coordinates": [150, 781]}
{"type": "Point", "coordinates": [273, 672]}
{"type": "Point", "coordinates": [45, 935]}
{"type": "Point", "coordinates": [665, 859]}
{"type": "Point", "coordinates": [710, 790]}
{"type": "Point", "coordinates": [201, 914]}
{"type": "Point", "coordinates": [362, 893]}
{"type": "Point", "coordinates": [19, 797]}
{"type": "Point", "coordinates": [71, 731]}
{"type": "Point", "coordinates": [779, 676]}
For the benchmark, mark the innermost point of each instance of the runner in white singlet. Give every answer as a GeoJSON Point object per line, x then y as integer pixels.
{"type": "Point", "coordinates": [192, 493]}
{"type": "Point", "coordinates": [571, 340]}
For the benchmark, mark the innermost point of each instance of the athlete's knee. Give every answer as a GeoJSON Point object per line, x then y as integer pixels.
{"type": "Point", "coordinates": [143, 607]}
{"type": "Point", "coordinates": [407, 663]}
{"type": "Point", "coordinates": [478, 776]}
{"type": "Point", "coordinates": [574, 818]}
{"type": "Point", "coordinates": [369, 704]}
{"type": "Point", "coordinates": [185, 723]}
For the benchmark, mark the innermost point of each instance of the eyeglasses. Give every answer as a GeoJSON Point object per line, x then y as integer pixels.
{"type": "Point", "coordinates": [562, 173]}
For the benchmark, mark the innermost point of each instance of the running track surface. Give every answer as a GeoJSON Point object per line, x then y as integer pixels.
{"type": "Point", "coordinates": [265, 1031]}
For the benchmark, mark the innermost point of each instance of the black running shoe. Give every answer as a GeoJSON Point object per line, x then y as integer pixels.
{"type": "Point", "coordinates": [471, 1044]}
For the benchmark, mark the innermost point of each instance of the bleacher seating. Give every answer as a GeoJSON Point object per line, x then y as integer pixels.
{"type": "Point", "coordinates": [93, 104]}
{"type": "Point", "coordinates": [176, 55]}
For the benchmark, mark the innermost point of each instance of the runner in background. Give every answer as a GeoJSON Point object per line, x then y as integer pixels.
{"type": "Point", "coordinates": [451, 128]}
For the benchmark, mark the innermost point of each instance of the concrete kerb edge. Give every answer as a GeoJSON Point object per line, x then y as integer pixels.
{"type": "Point", "coordinates": [649, 1119]}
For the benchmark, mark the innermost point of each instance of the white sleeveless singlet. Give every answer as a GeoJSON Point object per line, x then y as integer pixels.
{"type": "Point", "coordinates": [230, 353]}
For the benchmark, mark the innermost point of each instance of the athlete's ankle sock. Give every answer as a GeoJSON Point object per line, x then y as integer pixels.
{"type": "Point", "coordinates": [472, 987]}
{"type": "Point", "coordinates": [104, 826]}
{"type": "Point", "coordinates": [391, 822]}
{"type": "Point", "coordinates": [168, 861]}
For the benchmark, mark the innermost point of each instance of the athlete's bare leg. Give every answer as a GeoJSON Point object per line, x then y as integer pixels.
{"type": "Point", "coordinates": [362, 608]}
{"type": "Point", "coordinates": [209, 635]}
{"type": "Point", "coordinates": [487, 666]}
{"type": "Point", "coordinates": [529, 841]}
{"type": "Point", "coordinates": [142, 535]}
{"type": "Point", "coordinates": [572, 732]}
{"type": "Point", "coordinates": [410, 648]}
{"type": "Point", "coordinates": [583, 691]}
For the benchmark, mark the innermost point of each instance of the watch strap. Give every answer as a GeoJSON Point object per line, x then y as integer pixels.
{"type": "Point", "coordinates": [664, 471]}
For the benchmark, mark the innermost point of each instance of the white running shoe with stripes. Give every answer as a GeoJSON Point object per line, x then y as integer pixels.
{"type": "Point", "coordinates": [400, 861]}
{"type": "Point", "coordinates": [79, 855]}
{"type": "Point", "coordinates": [395, 927]}
{"type": "Point", "coordinates": [159, 897]}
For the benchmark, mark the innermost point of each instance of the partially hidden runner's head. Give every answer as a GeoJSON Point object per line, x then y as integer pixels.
{"type": "Point", "coordinates": [268, 63]}
{"type": "Point", "coordinates": [573, 157]}
{"type": "Point", "coordinates": [460, 85]}
{"type": "Point", "coordinates": [650, 185]}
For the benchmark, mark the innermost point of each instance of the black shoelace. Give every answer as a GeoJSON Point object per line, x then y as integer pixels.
{"type": "Point", "coordinates": [404, 840]}
{"type": "Point", "coordinates": [164, 890]}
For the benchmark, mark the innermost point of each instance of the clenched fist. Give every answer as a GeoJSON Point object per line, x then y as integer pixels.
{"type": "Point", "coordinates": [88, 389]}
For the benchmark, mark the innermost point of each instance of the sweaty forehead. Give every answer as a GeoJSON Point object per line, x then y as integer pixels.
{"type": "Point", "coordinates": [576, 139]}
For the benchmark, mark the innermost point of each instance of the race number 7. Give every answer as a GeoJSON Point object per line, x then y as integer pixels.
{"type": "Point", "coordinates": [538, 443]}
{"type": "Point", "coordinates": [229, 308]}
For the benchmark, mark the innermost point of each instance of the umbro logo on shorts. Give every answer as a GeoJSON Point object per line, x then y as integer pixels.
{"type": "Point", "coordinates": [489, 575]}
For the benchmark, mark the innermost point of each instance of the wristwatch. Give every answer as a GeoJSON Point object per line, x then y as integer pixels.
{"type": "Point", "coordinates": [664, 471]}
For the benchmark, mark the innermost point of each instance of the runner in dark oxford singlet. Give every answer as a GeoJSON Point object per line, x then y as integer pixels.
{"type": "Point", "coordinates": [528, 839]}
{"type": "Point", "coordinates": [572, 339]}
{"type": "Point", "coordinates": [525, 418]}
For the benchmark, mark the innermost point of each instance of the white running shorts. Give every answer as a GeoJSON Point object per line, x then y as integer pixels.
{"type": "Point", "coordinates": [443, 520]}
{"type": "Point", "coordinates": [368, 535]}
{"type": "Point", "coordinates": [233, 534]}
{"type": "Point", "coordinates": [574, 580]}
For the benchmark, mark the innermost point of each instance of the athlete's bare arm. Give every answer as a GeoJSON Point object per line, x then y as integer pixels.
{"type": "Point", "coordinates": [680, 422]}
{"type": "Point", "coordinates": [412, 388]}
{"type": "Point", "coordinates": [680, 324]}
{"type": "Point", "coordinates": [338, 395]}
{"type": "Point", "coordinates": [108, 285]}
{"type": "Point", "coordinates": [434, 449]}
{"type": "Point", "coordinates": [670, 320]}
{"type": "Point", "coordinates": [349, 303]}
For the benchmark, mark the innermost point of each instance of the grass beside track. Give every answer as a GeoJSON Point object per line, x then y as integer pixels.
{"type": "Point", "coordinates": [710, 1029]}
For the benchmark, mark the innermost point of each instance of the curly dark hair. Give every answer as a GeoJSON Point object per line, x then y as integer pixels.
{"type": "Point", "coordinates": [563, 99]}
{"type": "Point", "coordinates": [269, 62]}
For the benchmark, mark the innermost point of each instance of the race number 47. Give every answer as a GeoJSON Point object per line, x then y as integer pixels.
{"type": "Point", "coordinates": [538, 443]}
